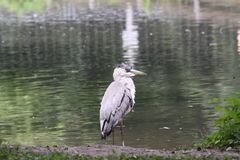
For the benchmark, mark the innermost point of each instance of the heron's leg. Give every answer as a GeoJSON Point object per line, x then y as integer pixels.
{"type": "Point", "coordinates": [121, 127]}
{"type": "Point", "coordinates": [113, 136]}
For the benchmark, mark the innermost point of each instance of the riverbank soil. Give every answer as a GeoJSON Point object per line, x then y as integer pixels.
{"type": "Point", "coordinates": [106, 150]}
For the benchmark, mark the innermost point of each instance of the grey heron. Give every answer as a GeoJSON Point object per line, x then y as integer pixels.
{"type": "Point", "coordinates": [118, 100]}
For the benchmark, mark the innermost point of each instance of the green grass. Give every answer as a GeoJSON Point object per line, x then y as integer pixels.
{"type": "Point", "coordinates": [227, 124]}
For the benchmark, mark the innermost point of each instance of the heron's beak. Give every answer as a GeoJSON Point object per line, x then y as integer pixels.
{"type": "Point", "coordinates": [135, 72]}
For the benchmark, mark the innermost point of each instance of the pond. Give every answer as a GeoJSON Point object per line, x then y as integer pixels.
{"type": "Point", "coordinates": [57, 59]}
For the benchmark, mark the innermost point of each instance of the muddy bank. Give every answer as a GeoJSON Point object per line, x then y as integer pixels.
{"type": "Point", "coordinates": [105, 150]}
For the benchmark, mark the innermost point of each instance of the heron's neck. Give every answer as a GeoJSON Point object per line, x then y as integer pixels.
{"type": "Point", "coordinates": [128, 83]}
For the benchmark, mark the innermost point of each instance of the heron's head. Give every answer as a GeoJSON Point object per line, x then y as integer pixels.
{"type": "Point", "coordinates": [124, 70]}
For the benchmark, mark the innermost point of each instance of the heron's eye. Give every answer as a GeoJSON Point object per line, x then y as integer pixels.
{"type": "Point", "coordinates": [120, 66]}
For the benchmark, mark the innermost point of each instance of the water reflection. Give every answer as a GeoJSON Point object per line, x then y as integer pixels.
{"type": "Point", "coordinates": [130, 37]}
{"type": "Point", "coordinates": [238, 41]}
{"type": "Point", "coordinates": [21, 7]}
{"type": "Point", "coordinates": [91, 4]}
{"type": "Point", "coordinates": [55, 67]}
{"type": "Point", "coordinates": [196, 8]}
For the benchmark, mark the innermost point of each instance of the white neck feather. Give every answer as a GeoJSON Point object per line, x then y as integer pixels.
{"type": "Point", "coordinates": [129, 84]}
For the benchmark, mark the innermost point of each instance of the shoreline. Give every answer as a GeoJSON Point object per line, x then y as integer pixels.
{"type": "Point", "coordinates": [100, 150]}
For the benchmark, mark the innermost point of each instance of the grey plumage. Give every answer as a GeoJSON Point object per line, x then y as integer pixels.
{"type": "Point", "coordinates": [118, 99]}
{"type": "Point", "coordinates": [117, 102]}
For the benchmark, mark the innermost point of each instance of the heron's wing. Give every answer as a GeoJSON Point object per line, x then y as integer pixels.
{"type": "Point", "coordinates": [117, 101]}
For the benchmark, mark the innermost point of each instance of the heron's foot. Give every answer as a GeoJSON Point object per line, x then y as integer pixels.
{"type": "Point", "coordinates": [123, 144]}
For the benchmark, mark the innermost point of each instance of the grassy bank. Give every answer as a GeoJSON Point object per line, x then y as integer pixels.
{"type": "Point", "coordinates": [105, 152]}
{"type": "Point", "coordinates": [7, 153]}
{"type": "Point", "coordinates": [16, 154]}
